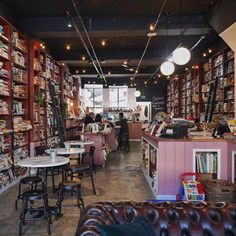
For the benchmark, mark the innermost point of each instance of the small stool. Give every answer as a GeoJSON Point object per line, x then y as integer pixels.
{"type": "Point", "coordinates": [28, 197]}
{"type": "Point", "coordinates": [72, 186]}
{"type": "Point", "coordinates": [32, 181]}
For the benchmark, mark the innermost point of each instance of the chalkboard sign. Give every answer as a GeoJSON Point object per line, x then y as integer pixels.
{"type": "Point", "coordinates": [158, 104]}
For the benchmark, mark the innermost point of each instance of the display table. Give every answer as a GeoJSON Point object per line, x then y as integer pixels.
{"type": "Point", "coordinates": [164, 160]}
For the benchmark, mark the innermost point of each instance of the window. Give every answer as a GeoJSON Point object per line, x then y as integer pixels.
{"type": "Point", "coordinates": [118, 96]}
{"type": "Point", "coordinates": [93, 97]}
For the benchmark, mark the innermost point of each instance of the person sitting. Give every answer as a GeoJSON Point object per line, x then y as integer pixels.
{"type": "Point", "coordinates": [98, 118]}
{"type": "Point", "coordinates": [123, 136]}
{"type": "Point", "coordinates": [88, 119]}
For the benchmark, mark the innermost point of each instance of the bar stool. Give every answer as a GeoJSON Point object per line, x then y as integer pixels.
{"type": "Point", "coordinates": [73, 187]}
{"type": "Point", "coordinates": [32, 181]}
{"type": "Point", "coordinates": [28, 197]}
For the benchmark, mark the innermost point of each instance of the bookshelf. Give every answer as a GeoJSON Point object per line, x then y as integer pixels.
{"type": "Point", "coordinates": [69, 93]}
{"type": "Point", "coordinates": [207, 163]}
{"type": "Point", "coordinates": [219, 67]}
{"type": "Point", "coordinates": [6, 161]}
{"type": "Point", "coordinates": [173, 96]}
{"type": "Point", "coordinates": [53, 76]}
{"type": "Point", "coordinates": [20, 97]}
{"type": "Point", "coordinates": [37, 95]}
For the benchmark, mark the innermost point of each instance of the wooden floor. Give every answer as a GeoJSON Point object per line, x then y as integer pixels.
{"type": "Point", "coordinates": [121, 179]}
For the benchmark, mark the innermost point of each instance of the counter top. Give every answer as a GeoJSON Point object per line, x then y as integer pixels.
{"type": "Point", "coordinates": [157, 139]}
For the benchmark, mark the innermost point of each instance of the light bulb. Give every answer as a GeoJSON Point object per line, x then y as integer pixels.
{"type": "Point", "coordinates": [137, 93]}
{"type": "Point", "coordinates": [181, 56]}
{"type": "Point", "coordinates": [167, 68]}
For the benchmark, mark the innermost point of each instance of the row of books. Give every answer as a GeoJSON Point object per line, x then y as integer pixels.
{"type": "Point", "coordinates": [5, 161]}
{"type": "Point", "coordinates": [18, 74]}
{"type": "Point", "coordinates": [37, 64]}
{"type": "Point", "coordinates": [21, 125]}
{"type": "Point", "coordinates": [19, 91]}
{"type": "Point", "coordinates": [19, 140]}
{"type": "Point", "coordinates": [18, 108]}
{"type": "Point", "coordinates": [4, 127]}
{"type": "Point", "coordinates": [40, 81]}
{"type": "Point", "coordinates": [19, 58]}
{"type": "Point", "coordinates": [4, 179]}
{"type": "Point", "coordinates": [18, 41]}
{"type": "Point", "coordinates": [3, 50]}
{"type": "Point", "coordinates": [20, 153]}
{"type": "Point", "coordinates": [206, 162]}
{"type": "Point", "coordinates": [4, 144]}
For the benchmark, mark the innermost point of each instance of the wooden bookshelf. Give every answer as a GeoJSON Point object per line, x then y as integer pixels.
{"type": "Point", "coordinates": [53, 76]}
{"type": "Point", "coordinates": [6, 161]}
{"type": "Point", "coordinates": [37, 95]}
{"type": "Point", "coordinates": [20, 96]}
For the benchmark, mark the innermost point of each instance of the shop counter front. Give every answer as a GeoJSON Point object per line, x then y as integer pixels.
{"type": "Point", "coordinates": [164, 160]}
{"type": "Point", "coordinates": [104, 142]}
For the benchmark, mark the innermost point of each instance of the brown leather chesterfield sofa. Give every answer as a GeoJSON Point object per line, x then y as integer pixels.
{"type": "Point", "coordinates": [166, 218]}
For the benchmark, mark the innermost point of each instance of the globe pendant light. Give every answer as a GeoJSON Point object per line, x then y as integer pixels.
{"type": "Point", "coordinates": [167, 68]}
{"type": "Point", "coordinates": [137, 93]}
{"type": "Point", "coordinates": [181, 56]}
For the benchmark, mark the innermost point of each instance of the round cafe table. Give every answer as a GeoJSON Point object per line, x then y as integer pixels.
{"type": "Point", "coordinates": [67, 151]}
{"type": "Point", "coordinates": [43, 162]}
{"type": "Point", "coordinates": [79, 143]}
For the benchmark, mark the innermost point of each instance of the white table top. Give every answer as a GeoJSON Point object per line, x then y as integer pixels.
{"type": "Point", "coordinates": [79, 142]}
{"type": "Point", "coordinates": [64, 151]}
{"type": "Point", "coordinates": [43, 161]}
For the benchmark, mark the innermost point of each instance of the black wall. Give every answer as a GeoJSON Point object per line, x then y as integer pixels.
{"type": "Point", "coordinates": [155, 93]}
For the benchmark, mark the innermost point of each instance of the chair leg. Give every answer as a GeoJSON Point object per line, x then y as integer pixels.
{"type": "Point", "coordinates": [60, 199]}
{"type": "Point", "coordinates": [53, 181]}
{"type": "Point", "coordinates": [94, 190]}
{"type": "Point", "coordinates": [19, 194]}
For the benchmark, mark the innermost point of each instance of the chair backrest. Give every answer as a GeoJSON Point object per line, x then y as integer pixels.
{"type": "Point", "coordinates": [91, 156]}
{"type": "Point", "coordinates": [40, 150]}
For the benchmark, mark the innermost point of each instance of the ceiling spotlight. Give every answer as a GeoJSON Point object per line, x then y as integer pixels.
{"type": "Point", "coordinates": [159, 76]}
{"type": "Point", "coordinates": [84, 71]}
{"type": "Point", "coordinates": [69, 25]}
{"type": "Point", "coordinates": [137, 93]}
{"type": "Point", "coordinates": [167, 68]}
{"type": "Point", "coordinates": [186, 68]}
{"type": "Point", "coordinates": [94, 82]}
{"type": "Point", "coordinates": [204, 54]}
{"type": "Point", "coordinates": [67, 47]}
{"type": "Point", "coordinates": [125, 62]}
{"type": "Point", "coordinates": [63, 64]}
{"type": "Point", "coordinates": [103, 43]}
{"type": "Point", "coordinates": [131, 78]}
{"type": "Point", "coordinates": [136, 71]}
{"type": "Point", "coordinates": [181, 56]}
{"type": "Point", "coordinates": [83, 58]}
{"type": "Point", "coordinates": [88, 82]}
{"type": "Point", "coordinates": [145, 82]}
{"type": "Point", "coordinates": [109, 73]}
{"type": "Point", "coordinates": [151, 27]}
{"type": "Point", "coordinates": [131, 85]}
{"type": "Point", "coordinates": [77, 72]}
{"type": "Point", "coordinates": [176, 78]}
{"type": "Point", "coordinates": [209, 50]}
{"type": "Point", "coordinates": [155, 82]}
{"type": "Point", "coordinates": [134, 84]}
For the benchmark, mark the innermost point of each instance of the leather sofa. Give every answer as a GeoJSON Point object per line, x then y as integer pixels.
{"type": "Point", "coordinates": [166, 218]}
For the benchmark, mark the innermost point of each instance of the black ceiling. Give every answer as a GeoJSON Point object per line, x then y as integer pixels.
{"type": "Point", "coordinates": [124, 26]}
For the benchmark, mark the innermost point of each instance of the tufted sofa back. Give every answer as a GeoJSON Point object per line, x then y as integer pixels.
{"type": "Point", "coordinates": [167, 218]}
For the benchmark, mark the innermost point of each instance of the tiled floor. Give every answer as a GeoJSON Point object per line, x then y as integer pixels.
{"type": "Point", "coordinates": [121, 179]}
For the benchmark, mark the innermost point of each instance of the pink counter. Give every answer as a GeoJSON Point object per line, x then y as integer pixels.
{"type": "Point", "coordinates": [176, 156]}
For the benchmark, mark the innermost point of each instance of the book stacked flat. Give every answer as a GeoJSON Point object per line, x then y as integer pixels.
{"type": "Point", "coordinates": [19, 91]}
{"type": "Point", "coordinates": [21, 125]}
{"type": "Point", "coordinates": [3, 107]}
{"type": "Point", "coordinates": [18, 108]}
{"type": "Point", "coordinates": [4, 89]}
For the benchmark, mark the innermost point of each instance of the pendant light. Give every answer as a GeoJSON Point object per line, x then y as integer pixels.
{"type": "Point", "coordinates": [137, 93]}
{"type": "Point", "coordinates": [167, 68]}
{"type": "Point", "coordinates": [181, 55]}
